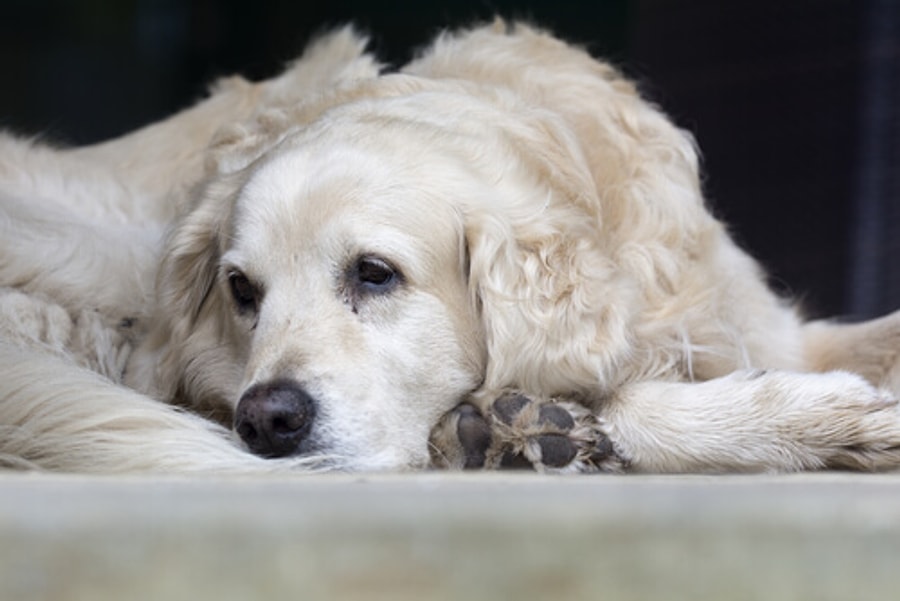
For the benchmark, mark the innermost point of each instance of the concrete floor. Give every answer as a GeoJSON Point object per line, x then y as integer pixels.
{"type": "Point", "coordinates": [450, 536]}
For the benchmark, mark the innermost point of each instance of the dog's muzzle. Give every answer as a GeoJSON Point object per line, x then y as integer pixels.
{"type": "Point", "coordinates": [274, 418]}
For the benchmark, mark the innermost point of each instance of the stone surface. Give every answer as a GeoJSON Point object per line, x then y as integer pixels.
{"type": "Point", "coordinates": [450, 536]}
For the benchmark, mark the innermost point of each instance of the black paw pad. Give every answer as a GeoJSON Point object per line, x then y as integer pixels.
{"type": "Point", "coordinates": [603, 450]}
{"type": "Point", "coordinates": [474, 436]}
{"type": "Point", "coordinates": [557, 450]}
{"type": "Point", "coordinates": [508, 407]}
{"type": "Point", "coordinates": [557, 416]}
{"type": "Point", "coordinates": [515, 461]}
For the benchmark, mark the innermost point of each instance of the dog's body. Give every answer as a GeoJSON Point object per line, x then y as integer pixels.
{"type": "Point", "coordinates": [356, 254]}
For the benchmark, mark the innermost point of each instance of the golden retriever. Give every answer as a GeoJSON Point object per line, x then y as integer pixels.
{"type": "Point", "coordinates": [498, 256]}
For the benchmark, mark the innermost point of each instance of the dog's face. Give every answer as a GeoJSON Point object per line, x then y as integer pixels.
{"type": "Point", "coordinates": [347, 285]}
{"type": "Point", "coordinates": [344, 283]}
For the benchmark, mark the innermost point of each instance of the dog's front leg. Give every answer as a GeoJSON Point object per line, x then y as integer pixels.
{"type": "Point", "coordinates": [756, 421]}
{"type": "Point", "coordinates": [749, 421]}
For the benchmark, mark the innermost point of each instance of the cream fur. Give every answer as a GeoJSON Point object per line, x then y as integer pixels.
{"type": "Point", "coordinates": [551, 234]}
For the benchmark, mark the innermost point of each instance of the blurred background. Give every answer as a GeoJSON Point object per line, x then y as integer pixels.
{"type": "Point", "coordinates": [795, 103]}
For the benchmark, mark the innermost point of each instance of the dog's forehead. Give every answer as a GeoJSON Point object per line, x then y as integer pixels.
{"type": "Point", "coordinates": [323, 194]}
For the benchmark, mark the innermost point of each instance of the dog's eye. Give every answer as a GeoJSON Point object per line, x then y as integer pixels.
{"type": "Point", "coordinates": [245, 294]}
{"type": "Point", "coordinates": [376, 274]}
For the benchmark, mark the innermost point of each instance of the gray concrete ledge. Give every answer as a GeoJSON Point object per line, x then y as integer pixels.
{"type": "Point", "coordinates": [450, 536]}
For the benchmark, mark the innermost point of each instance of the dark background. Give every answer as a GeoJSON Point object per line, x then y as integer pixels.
{"type": "Point", "coordinates": [795, 103]}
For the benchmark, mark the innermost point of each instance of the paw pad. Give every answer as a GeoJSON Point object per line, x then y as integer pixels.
{"type": "Point", "coordinates": [557, 416]}
{"type": "Point", "coordinates": [474, 435]}
{"type": "Point", "coordinates": [507, 407]}
{"type": "Point", "coordinates": [556, 450]}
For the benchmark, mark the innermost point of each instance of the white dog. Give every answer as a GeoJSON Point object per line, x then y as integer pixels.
{"type": "Point", "coordinates": [498, 256]}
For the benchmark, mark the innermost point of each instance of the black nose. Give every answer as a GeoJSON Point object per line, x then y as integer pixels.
{"type": "Point", "coordinates": [274, 418]}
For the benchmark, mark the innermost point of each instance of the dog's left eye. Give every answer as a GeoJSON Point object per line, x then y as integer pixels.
{"type": "Point", "coordinates": [375, 274]}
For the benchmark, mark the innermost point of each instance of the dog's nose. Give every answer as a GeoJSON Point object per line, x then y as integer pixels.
{"type": "Point", "coordinates": [274, 418]}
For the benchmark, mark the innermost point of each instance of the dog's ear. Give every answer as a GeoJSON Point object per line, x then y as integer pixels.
{"type": "Point", "coordinates": [555, 307]}
{"type": "Point", "coordinates": [189, 319]}
{"type": "Point", "coordinates": [566, 287]}
{"type": "Point", "coordinates": [189, 265]}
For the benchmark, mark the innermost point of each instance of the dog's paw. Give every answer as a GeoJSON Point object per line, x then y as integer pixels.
{"type": "Point", "coordinates": [858, 429]}
{"type": "Point", "coordinates": [520, 432]}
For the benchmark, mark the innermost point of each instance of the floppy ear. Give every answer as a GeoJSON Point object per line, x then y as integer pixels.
{"type": "Point", "coordinates": [189, 265]}
{"type": "Point", "coordinates": [567, 289]}
{"type": "Point", "coordinates": [177, 360]}
{"type": "Point", "coordinates": [555, 307]}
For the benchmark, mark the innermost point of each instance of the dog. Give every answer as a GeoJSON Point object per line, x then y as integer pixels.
{"type": "Point", "coordinates": [496, 256]}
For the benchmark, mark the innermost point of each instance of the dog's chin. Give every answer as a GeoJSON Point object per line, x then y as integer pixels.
{"type": "Point", "coordinates": [384, 461]}
{"type": "Point", "coordinates": [387, 460]}
{"type": "Point", "coordinates": [390, 458]}
{"type": "Point", "coordinates": [320, 456]}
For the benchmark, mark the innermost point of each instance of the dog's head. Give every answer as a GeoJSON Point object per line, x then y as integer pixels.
{"type": "Point", "coordinates": [356, 270]}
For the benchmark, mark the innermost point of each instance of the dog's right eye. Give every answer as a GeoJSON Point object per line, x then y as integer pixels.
{"type": "Point", "coordinates": [373, 274]}
{"type": "Point", "coordinates": [244, 293]}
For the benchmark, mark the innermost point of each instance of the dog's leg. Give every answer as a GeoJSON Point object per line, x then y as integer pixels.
{"type": "Point", "coordinates": [756, 421]}
{"type": "Point", "coordinates": [747, 421]}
